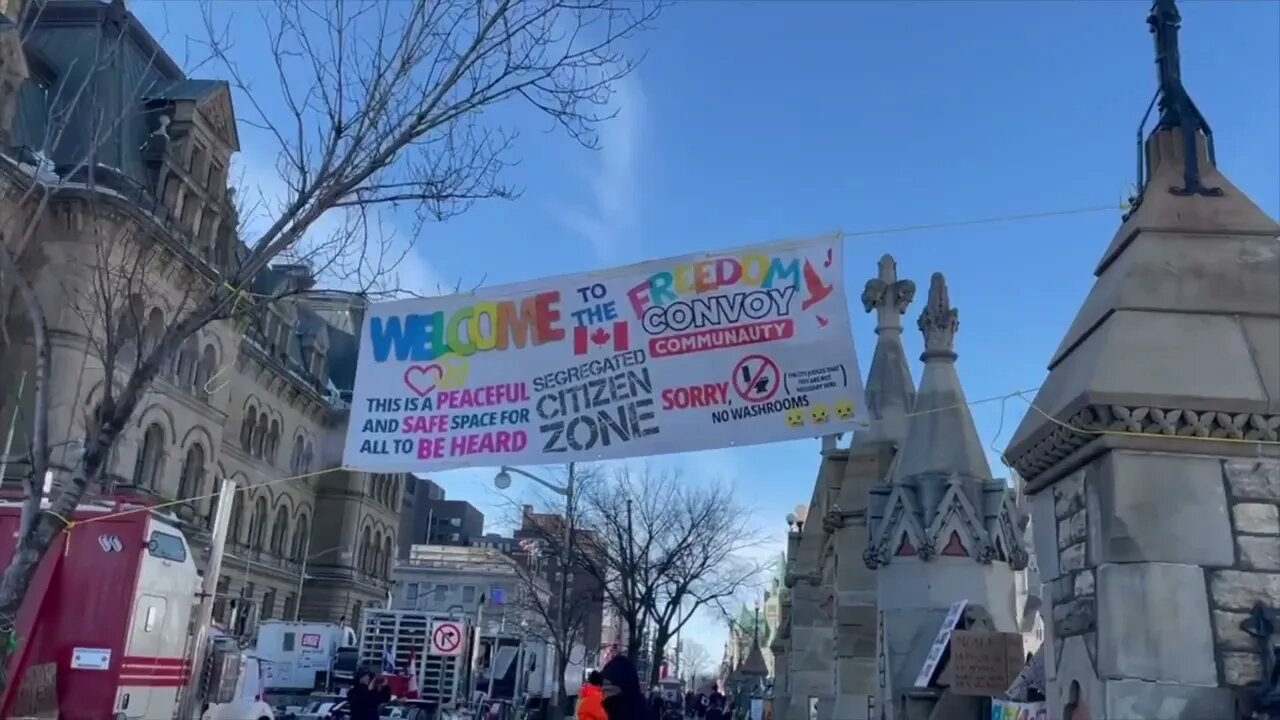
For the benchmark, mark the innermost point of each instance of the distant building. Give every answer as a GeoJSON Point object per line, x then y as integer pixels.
{"type": "Point", "coordinates": [583, 588]}
{"type": "Point", "coordinates": [505, 545]}
{"type": "Point", "coordinates": [453, 579]}
{"type": "Point", "coordinates": [431, 519]}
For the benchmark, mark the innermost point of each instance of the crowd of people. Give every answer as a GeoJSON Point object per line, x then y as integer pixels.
{"type": "Point", "coordinates": [614, 693]}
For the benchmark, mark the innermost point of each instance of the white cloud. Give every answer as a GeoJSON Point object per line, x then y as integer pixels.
{"type": "Point", "coordinates": [611, 220]}
{"type": "Point", "coordinates": [262, 193]}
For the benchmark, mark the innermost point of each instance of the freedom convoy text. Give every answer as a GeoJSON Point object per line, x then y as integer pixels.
{"type": "Point", "coordinates": [692, 353]}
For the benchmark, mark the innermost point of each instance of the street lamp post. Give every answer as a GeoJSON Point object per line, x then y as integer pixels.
{"type": "Point", "coordinates": [503, 481]}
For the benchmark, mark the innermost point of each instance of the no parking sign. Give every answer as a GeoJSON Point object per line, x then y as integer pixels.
{"type": "Point", "coordinates": [446, 638]}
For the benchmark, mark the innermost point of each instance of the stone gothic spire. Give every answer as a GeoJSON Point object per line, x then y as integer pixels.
{"type": "Point", "coordinates": [891, 391]}
{"type": "Point", "coordinates": [941, 498]}
{"type": "Point", "coordinates": [1152, 443]}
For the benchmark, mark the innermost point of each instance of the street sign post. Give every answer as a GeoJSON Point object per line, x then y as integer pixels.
{"type": "Point", "coordinates": [446, 638]}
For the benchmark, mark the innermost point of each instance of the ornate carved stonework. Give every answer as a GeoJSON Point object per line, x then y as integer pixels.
{"type": "Point", "coordinates": [1066, 437]}
{"type": "Point", "coordinates": [939, 321]}
{"type": "Point", "coordinates": [887, 294]}
{"type": "Point", "coordinates": [958, 529]}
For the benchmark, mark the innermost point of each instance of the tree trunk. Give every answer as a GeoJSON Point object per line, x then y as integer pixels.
{"type": "Point", "coordinates": [635, 636]}
{"type": "Point", "coordinates": [560, 703]}
{"type": "Point", "coordinates": [660, 639]}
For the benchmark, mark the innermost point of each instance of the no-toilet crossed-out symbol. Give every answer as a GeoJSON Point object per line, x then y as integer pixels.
{"type": "Point", "coordinates": [756, 378]}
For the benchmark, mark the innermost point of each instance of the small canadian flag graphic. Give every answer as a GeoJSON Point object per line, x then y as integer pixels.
{"type": "Point", "coordinates": [585, 339]}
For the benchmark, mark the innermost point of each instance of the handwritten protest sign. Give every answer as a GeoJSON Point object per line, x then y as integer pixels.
{"type": "Point", "coordinates": [703, 351]}
{"type": "Point", "coordinates": [984, 663]}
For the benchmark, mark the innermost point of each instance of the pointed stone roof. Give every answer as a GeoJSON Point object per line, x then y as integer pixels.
{"type": "Point", "coordinates": [941, 437]}
{"type": "Point", "coordinates": [1180, 334]}
{"type": "Point", "coordinates": [891, 390]}
{"type": "Point", "coordinates": [1183, 317]}
{"type": "Point", "coordinates": [754, 666]}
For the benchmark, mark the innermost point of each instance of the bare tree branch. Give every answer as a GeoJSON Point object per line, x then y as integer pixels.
{"type": "Point", "coordinates": [375, 108]}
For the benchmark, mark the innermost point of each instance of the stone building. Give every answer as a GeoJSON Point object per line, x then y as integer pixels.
{"type": "Point", "coordinates": [538, 539]}
{"type": "Point", "coordinates": [904, 521]}
{"type": "Point", "coordinates": [1152, 455]}
{"type": "Point", "coordinates": [430, 518]}
{"type": "Point", "coordinates": [262, 400]}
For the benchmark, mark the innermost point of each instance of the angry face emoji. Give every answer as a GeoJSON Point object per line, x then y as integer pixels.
{"type": "Point", "coordinates": [819, 414]}
{"type": "Point", "coordinates": [795, 418]}
{"type": "Point", "coordinates": [844, 409]}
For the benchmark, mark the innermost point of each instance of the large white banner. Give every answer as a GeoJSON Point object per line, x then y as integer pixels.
{"type": "Point", "coordinates": [704, 351]}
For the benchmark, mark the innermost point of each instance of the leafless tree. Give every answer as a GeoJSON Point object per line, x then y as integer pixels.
{"type": "Point", "coordinates": [375, 105]}
{"type": "Point", "coordinates": [695, 659]}
{"type": "Point", "coordinates": [669, 547]}
{"type": "Point", "coordinates": [554, 534]}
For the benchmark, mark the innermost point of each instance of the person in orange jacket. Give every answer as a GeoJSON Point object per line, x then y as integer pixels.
{"type": "Point", "coordinates": [591, 698]}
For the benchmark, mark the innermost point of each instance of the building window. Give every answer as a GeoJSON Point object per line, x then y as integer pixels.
{"type": "Point", "coordinates": [246, 428]}
{"type": "Point", "coordinates": [237, 519]}
{"type": "Point", "coordinates": [411, 594]}
{"type": "Point", "coordinates": [258, 526]}
{"type": "Point", "coordinates": [468, 594]}
{"type": "Point", "coordinates": [146, 472]}
{"type": "Point", "coordinates": [192, 473]}
{"type": "Point", "coordinates": [301, 538]}
{"type": "Point", "coordinates": [290, 606]}
{"type": "Point", "coordinates": [280, 532]}
{"type": "Point", "coordinates": [440, 594]}
{"type": "Point", "coordinates": [268, 605]}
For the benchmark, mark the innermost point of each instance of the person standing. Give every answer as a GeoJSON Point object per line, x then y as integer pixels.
{"type": "Point", "coordinates": [591, 698]}
{"type": "Point", "coordinates": [623, 698]}
{"type": "Point", "coordinates": [366, 697]}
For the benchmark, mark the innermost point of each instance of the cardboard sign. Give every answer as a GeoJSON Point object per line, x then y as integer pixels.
{"type": "Point", "coordinates": [984, 663]}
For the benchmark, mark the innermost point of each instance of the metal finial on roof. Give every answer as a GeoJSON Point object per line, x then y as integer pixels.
{"type": "Point", "coordinates": [939, 322]}
{"type": "Point", "coordinates": [1177, 110]}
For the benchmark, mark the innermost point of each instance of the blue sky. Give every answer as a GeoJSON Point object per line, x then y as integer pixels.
{"type": "Point", "coordinates": [753, 121]}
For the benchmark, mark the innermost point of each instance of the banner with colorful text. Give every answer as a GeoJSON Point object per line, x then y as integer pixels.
{"type": "Point", "coordinates": [704, 351]}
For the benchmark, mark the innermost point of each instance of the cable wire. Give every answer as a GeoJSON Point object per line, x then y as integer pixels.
{"type": "Point", "coordinates": [1002, 399]}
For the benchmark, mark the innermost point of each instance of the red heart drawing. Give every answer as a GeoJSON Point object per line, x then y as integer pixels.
{"type": "Point", "coordinates": [416, 378]}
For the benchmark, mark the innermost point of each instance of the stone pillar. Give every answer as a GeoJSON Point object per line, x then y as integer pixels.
{"type": "Point", "coordinates": [855, 616]}
{"type": "Point", "coordinates": [808, 631]}
{"type": "Point", "coordinates": [1155, 485]}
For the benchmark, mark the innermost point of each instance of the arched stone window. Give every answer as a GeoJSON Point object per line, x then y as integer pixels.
{"type": "Point", "coordinates": [280, 531]}
{"type": "Point", "coordinates": [364, 549]}
{"type": "Point", "coordinates": [237, 519]}
{"type": "Point", "coordinates": [146, 471]}
{"type": "Point", "coordinates": [246, 428]}
{"type": "Point", "coordinates": [184, 367]}
{"type": "Point", "coordinates": [386, 556]}
{"type": "Point", "coordinates": [295, 458]}
{"type": "Point", "coordinates": [300, 535]}
{"type": "Point", "coordinates": [260, 429]}
{"type": "Point", "coordinates": [376, 565]}
{"type": "Point", "coordinates": [153, 331]}
{"type": "Point", "coordinates": [205, 371]}
{"type": "Point", "coordinates": [129, 331]}
{"type": "Point", "coordinates": [308, 455]}
{"type": "Point", "coordinates": [192, 481]}
{"type": "Point", "coordinates": [258, 526]}
{"type": "Point", "coordinates": [273, 441]}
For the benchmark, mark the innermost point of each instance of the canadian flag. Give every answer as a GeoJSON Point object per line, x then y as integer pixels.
{"type": "Point", "coordinates": [584, 338]}
{"type": "Point", "coordinates": [414, 691]}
